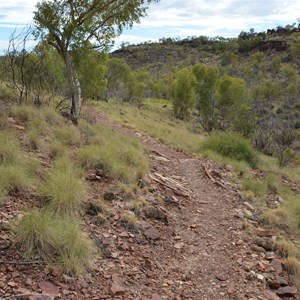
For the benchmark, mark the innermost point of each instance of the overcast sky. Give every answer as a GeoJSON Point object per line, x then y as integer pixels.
{"type": "Point", "coordinates": [177, 18]}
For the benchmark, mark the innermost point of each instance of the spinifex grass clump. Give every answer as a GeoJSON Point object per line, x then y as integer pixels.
{"type": "Point", "coordinates": [121, 157]}
{"type": "Point", "coordinates": [10, 151]}
{"type": "Point", "coordinates": [231, 145]}
{"type": "Point", "coordinates": [67, 135]}
{"type": "Point", "coordinates": [55, 239]}
{"type": "Point", "coordinates": [13, 178]}
{"type": "Point", "coordinates": [13, 175]}
{"type": "Point", "coordinates": [64, 190]}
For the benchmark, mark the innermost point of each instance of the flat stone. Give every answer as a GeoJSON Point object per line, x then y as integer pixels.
{"type": "Point", "coordinates": [277, 265]}
{"type": "Point", "coordinates": [117, 290]}
{"type": "Point", "coordinates": [152, 234]}
{"type": "Point", "coordinates": [49, 289]}
{"type": "Point", "coordinates": [287, 291]}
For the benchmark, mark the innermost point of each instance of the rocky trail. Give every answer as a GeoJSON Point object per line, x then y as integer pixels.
{"type": "Point", "coordinates": [191, 241]}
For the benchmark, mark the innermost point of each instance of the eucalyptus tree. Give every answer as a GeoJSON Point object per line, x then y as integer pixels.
{"type": "Point", "coordinates": [71, 24]}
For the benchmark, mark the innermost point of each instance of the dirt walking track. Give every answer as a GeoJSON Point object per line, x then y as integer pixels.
{"type": "Point", "coordinates": [205, 253]}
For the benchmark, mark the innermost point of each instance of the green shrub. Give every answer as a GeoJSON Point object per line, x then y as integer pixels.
{"type": "Point", "coordinates": [64, 189]}
{"type": "Point", "coordinates": [60, 241]}
{"type": "Point", "coordinates": [231, 145]}
{"type": "Point", "coordinates": [10, 151]}
{"type": "Point", "coordinates": [67, 135]}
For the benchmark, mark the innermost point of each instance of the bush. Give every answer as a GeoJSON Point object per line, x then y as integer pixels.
{"type": "Point", "coordinates": [231, 145]}
{"type": "Point", "coordinates": [64, 190]}
{"type": "Point", "coordinates": [57, 240]}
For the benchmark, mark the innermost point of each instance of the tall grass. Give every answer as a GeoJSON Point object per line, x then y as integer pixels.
{"type": "Point", "coordinates": [10, 150]}
{"type": "Point", "coordinates": [67, 135]}
{"type": "Point", "coordinates": [120, 156]}
{"type": "Point", "coordinates": [64, 190]}
{"type": "Point", "coordinates": [58, 240]}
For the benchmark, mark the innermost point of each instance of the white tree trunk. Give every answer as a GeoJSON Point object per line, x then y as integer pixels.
{"type": "Point", "coordinates": [75, 88]}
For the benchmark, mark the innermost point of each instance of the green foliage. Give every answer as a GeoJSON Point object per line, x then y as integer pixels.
{"type": "Point", "coordinates": [55, 239]}
{"type": "Point", "coordinates": [231, 94]}
{"type": "Point", "coordinates": [231, 145]}
{"type": "Point", "coordinates": [67, 135]}
{"type": "Point", "coordinates": [206, 80]}
{"type": "Point", "coordinates": [184, 93]}
{"type": "Point", "coordinates": [92, 69]}
{"type": "Point", "coordinates": [268, 89]}
{"type": "Point", "coordinates": [64, 190]}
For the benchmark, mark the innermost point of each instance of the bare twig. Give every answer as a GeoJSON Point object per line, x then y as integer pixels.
{"type": "Point", "coordinates": [207, 173]}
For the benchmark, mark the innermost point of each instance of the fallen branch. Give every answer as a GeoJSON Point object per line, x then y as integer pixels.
{"type": "Point", "coordinates": [158, 153]}
{"type": "Point", "coordinates": [212, 179]}
{"type": "Point", "coordinates": [208, 174]}
{"type": "Point", "coordinates": [171, 184]}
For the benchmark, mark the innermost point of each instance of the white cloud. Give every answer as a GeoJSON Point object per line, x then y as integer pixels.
{"type": "Point", "coordinates": [189, 17]}
{"type": "Point", "coordinates": [16, 12]}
